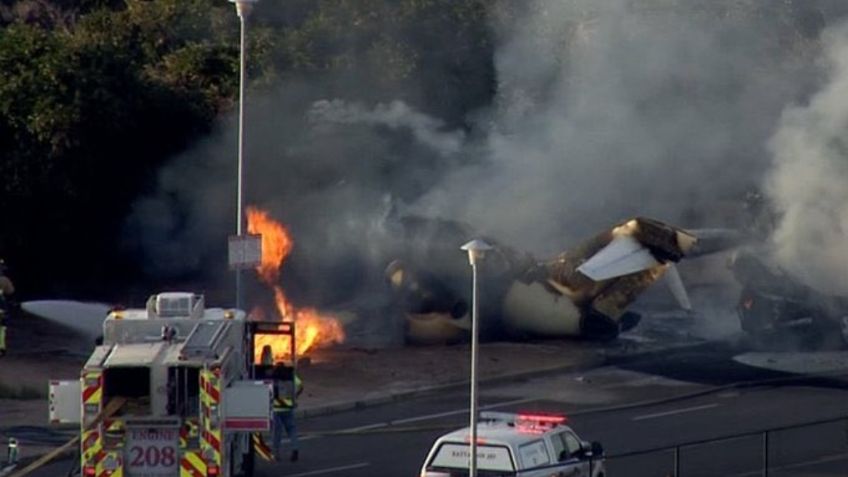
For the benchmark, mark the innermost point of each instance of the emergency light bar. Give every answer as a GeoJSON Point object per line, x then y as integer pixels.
{"type": "Point", "coordinates": [543, 418]}
{"type": "Point", "coordinates": [525, 419]}
{"type": "Point", "coordinates": [538, 423]}
{"type": "Point", "coordinates": [497, 416]}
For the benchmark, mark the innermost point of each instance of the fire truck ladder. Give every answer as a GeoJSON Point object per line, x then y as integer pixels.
{"type": "Point", "coordinates": [204, 338]}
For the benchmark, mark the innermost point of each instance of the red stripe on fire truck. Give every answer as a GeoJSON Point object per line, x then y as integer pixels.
{"type": "Point", "coordinates": [92, 391]}
{"type": "Point", "coordinates": [192, 465]}
{"type": "Point", "coordinates": [210, 436]}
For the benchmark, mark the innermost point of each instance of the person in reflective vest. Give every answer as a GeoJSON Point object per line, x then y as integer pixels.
{"type": "Point", "coordinates": [6, 289]}
{"type": "Point", "coordinates": [287, 386]}
{"type": "Point", "coordinates": [12, 451]}
{"type": "Point", "coordinates": [2, 334]}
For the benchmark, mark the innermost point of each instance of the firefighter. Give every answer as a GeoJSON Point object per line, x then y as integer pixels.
{"type": "Point", "coordinates": [6, 290]}
{"type": "Point", "coordinates": [12, 451]}
{"type": "Point", "coordinates": [284, 404]}
{"type": "Point", "coordinates": [2, 334]}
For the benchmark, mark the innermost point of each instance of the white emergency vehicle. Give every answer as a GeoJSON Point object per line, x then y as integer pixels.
{"type": "Point", "coordinates": [525, 445]}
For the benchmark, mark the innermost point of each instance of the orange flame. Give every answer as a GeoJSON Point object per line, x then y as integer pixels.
{"type": "Point", "coordinates": [311, 328]}
{"type": "Point", "coordinates": [276, 243]}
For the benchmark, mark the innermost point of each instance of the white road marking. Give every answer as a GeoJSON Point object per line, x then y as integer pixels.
{"type": "Point", "coordinates": [365, 428]}
{"type": "Point", "coordinates": [332, 469]}
{"type": "Point", "coordinates": [675, 411]}
{"type": "Point", "coordinates": [459, 411]}
{"type": "Point", "coordinates": [423, 418]}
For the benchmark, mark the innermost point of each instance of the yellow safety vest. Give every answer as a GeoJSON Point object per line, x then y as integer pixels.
{"type": "Point", "coordinates": [285, 403]}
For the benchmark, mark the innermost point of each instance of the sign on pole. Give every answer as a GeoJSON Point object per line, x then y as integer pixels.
{"type": "Point", "coordinates": [245, 251]}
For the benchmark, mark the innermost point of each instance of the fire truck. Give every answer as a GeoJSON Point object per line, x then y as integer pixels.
{"type": "Point", "coordinates": [172, 391]}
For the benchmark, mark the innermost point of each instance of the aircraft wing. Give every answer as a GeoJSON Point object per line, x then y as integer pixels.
{"type": "Point", "coordinates": [82, 317]}
{"type": "Point", "coordinates": [622, 256]}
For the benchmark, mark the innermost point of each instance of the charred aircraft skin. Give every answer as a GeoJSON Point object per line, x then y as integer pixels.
{"type": "Point", "coordinates": [583, 292]}
{"type": "Point", "coordinates": [779, 312]}
{"type": "Point", "coordinates": [434, 313]}
{"type": "Point", "coordinates": [603, 302]}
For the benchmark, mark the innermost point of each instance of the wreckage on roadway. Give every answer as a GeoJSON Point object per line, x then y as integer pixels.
{"type": "Point", "coordinates": [582, 292]}
{"type": "Point", "coordinates": [779, 312]}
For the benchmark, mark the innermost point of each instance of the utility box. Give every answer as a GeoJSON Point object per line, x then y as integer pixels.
{"type": "Point", "coordinates": [65, 402]}
{"type": "Point", "coordinates": [247, 406]}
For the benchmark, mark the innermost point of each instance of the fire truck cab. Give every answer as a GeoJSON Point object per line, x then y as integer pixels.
{"type": "Point", "coordinates": [181, 375]}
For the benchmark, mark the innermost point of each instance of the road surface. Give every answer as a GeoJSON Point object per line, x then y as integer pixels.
{"type": "Point", "coordinates": [392, 439]}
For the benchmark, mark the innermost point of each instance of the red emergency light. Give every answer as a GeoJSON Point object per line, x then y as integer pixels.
{"type": "Point", "coordinates": [538, 423]}
{"type": "Point", "coordinates": [542, 418]}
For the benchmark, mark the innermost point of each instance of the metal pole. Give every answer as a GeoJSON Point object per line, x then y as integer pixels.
{"type": "Point", "coordinates": [239, 220]}
{"type": "Point", "coordinates": [476, 249]}
{"type": "Point", "coordinates": [765, 454]}
{"type": "Point", "coordinates": [472, 468]}
{"type": "Point", "coordinates": [677, 461]}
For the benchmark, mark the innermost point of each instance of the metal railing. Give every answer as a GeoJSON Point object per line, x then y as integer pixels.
{"type": "Point", "coordinates": [756, 453]}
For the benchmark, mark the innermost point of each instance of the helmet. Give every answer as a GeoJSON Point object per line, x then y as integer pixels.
{"type": "Point", "coordinates": [267, 355]}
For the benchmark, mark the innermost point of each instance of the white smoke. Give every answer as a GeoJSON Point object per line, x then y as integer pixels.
{"type": "Point", "coordinates": [607, 110]}
{"type": "Point", "coordinates": [809, 181]}
{"type": "Point", "coordinates": [395, 115]}
{"type": "Point", "coordinates": [603, 110]}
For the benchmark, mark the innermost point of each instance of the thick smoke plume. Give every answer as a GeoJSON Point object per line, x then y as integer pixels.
{"type": "Point", "coordinates": [613, 110]}
{"type": "Point", "coordinates": [603, 110]}
{"type": "Point", "coordinates": [809, 183]}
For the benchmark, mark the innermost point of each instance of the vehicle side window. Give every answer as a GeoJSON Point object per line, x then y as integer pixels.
{"type": "Point", "coordinates": [572, 443]}
{"type": "Point", "coordinates": [534, 454]}
{"type": "Point", "coordinates": [559, 447]}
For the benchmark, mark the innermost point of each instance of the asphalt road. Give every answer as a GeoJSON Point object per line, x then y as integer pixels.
{"type": "Point", "coordinates": [392, 439]}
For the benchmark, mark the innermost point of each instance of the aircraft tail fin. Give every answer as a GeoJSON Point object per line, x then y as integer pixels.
{"type": "Point", "coordinates": [675, 284]}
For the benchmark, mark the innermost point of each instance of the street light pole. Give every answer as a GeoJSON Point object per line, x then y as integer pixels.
{"type": "Point", "coordinates": [476, 250]}
{"type": "Point", "coordinates": [243, 9]}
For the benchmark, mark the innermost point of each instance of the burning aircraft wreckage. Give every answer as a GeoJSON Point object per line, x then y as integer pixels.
{"type": "Point", "coordinates": [582, 292]}
{"type": "Point", "coordinates": [777, 311]}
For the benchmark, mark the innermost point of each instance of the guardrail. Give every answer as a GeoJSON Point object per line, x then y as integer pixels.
{"type": "Point", "coordinates": [757, 453]}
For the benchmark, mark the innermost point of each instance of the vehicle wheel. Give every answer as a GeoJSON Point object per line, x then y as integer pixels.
{"type": "Point", "coordinates": [757, 342]}
{"type": "Point", "coordinates": [832, 337]}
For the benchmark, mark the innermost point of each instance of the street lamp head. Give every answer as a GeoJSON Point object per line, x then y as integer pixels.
{"type": "Point", "coordinates": [476, 250]}
{"type": "Point", "coordinates": [244, 7]}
